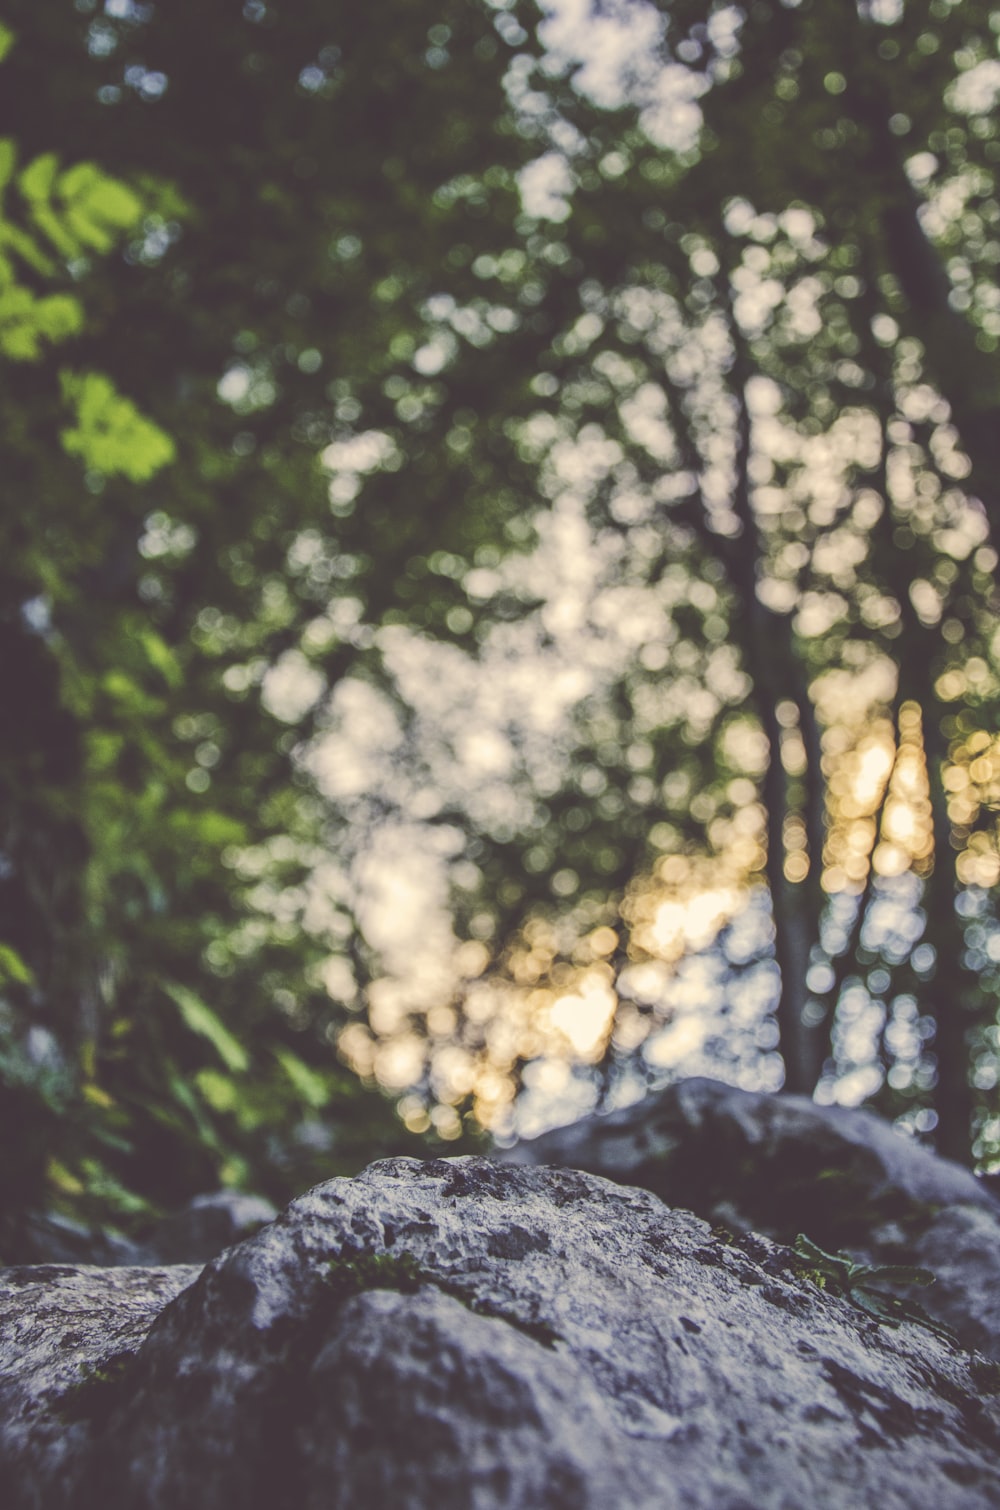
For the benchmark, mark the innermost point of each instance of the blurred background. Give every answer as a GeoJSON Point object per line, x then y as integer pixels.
{"type": "Point", "coordinates": [498, 587]}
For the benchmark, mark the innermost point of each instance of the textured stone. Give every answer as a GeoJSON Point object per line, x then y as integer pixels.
{"type": "Point", "coordinates": [472, 1335]}
{"type": "Point", "coordinates": [781, 1164]}
{"type": "Point", "coordinates": [64, 1330]}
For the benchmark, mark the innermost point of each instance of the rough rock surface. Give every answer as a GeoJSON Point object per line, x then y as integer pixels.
{"type": "Point", "coordinates": [780, 1165]}
{"type": "Point", "coordinates": [64, 1329]}
{"type": "Point", "coordinates": [466, 1334]}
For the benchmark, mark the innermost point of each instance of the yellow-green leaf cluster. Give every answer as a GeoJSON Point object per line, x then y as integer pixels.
{"type": "Point", "coordinates": [110, 434]}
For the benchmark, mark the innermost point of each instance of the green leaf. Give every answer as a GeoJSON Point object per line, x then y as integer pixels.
{"type": "Point", "coordinates": [59, 316]}
{"type": "Point", "coordinates": [200, 1018]}
{"type": "Point", "coordinates": [13, 967]}
{"type": "Point", "coordinates": [309, 1084]}
{"type": "Point", "coordinates": [8, 159]}
{"type": "Point", "coordinates": [105, 202]}
{"type": "Point", "coordinates": [111, 435]}
{"type": "Point", "coordinates": [86, 231]}
{"type": "Point", "coordinates": [808, 1249]}
{"type": "Point", "coordinates": [102, 1184]}
{"type": "Point", "coordinates": [7, 40]}
{"type": "Point", "coordinates": [25, 247]}
{"type": "Point", "coordinates": [120, 686]}
{"type": "Point", "coordinates": [221, 1093]}
{"type": "Point", "coordinates": [894, 1274]}
{"type": "Point", "coordinates": [95, 208]}
{"type": "Point", "coordinates": [185, 1097]}
{"type": "Point", "coordinates": [37, 180]}
{"type": "Point", "coordinates": [55, 229]}
{"type": "Point", "coordinates": [161, 657]}
{"type": "Point", "coordinates": [26, 322]}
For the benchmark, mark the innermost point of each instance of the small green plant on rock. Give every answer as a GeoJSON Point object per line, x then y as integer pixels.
{"type": "Point", "coordinates": [861, 1285]}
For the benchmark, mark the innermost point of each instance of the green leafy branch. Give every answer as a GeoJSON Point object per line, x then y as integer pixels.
{"type": "Point", "coordinates": [110, 434]}
{"type": "Point", "coordinates": [63, 216]}
{"type": "Point", "coordinates": [860, 1285]}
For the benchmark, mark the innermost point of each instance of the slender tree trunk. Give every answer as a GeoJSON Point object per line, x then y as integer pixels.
{"type": "Point", "coordinates": [776, 672]}
{"type": "Point", "coordinates": [953, 985]}
{"type": "Point", "coordinates": [845, 962]}
{"type": "Point", "coordinates": [965, 375]}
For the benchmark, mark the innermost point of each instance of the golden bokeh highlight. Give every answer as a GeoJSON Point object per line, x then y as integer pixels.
{"type": "Point", "coordinates": [550, 998]}
{"type": "Point", "coordinates": [972, 782]}
{"type": "Point", "coordinates": [879, 810]}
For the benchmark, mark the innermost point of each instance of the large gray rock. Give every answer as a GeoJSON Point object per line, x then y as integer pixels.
{"type": "Point", "coordinates": [780, 1165]}
{"type": "Point", "coordinates": [470, 1335]}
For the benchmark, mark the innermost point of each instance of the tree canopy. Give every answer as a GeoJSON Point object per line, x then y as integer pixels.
{"type": "Point", "coordinates": [498, 593]}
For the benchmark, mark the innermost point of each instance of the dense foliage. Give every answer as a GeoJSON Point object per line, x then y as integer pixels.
{"type": "Point", "coordinates": [335, 350]}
